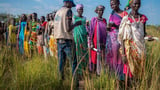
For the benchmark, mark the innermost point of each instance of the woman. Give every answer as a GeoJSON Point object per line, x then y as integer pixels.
{"type": "Point", "coordinates": [21, 33]}
{"type": "Point", "coordinates": [52, 40]}
{"type": "Point", "coordinates": [12, 34]}
{"type": "Point", "coordinates": [80, 38]}
{"type": "Point", "coordinates": [33, 33]}
{"type": "Point", "coordinates": [131, 37]}
{"type": "Point", "coordinates": [40, 36]}
{"type": "Point", "coordinates": [98, 39]}
{"type": "Point", "coordinates": [26, 35]}
{"type": "Point", "coordinates": [112, 46]}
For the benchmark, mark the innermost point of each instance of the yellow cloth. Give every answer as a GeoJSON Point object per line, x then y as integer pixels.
{"type": "Point", "coordinates": [53, 46]}
{"type": "Point", "coordinates": [26, 45]}
{"type": "Point", "coordinates": [12, 34]}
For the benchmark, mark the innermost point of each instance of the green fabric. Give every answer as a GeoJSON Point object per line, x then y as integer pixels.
{"type": "Point", "coordinates": [128, 3]}
{"type": "Point", "coordinates": [80, 37]}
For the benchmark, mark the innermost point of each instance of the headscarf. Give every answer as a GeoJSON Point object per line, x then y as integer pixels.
{"type": "Point", "coordinates": [78, 6]}
{"type": "Point", "coordinates": [100, 6]}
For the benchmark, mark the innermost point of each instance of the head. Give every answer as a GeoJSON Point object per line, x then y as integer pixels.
{"type": "Point", "coordinates": [53, 14]}
{"type": "Point", "coordinates": [69, 3]}
{"type": "Point", "coordinates": [29, 17]}
{"type": "Point", "coordinates": [50, 16]}
{"type": "Point", "coordinates": [115, 4]}
{"type": "Point", "coordinates": [99, 10]}
{"type": "Point", "coordinates": [23, 18]}
{"type": "Point", "coordinates": [13, 21]}
{"type": "Point", "coordinates": [79, 8]}
{"type": "Point", "coordinates": [136, 5]}
{"type": "Point", "coordinates": [34, 16]}
{"type": "Point", "coordinates": [42, 19]}
{"type": "Point", "coordinates": [47, 17]}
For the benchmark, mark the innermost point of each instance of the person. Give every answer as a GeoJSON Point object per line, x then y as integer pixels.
{"type": "Point", "coordinates": [52, 40]}
{"type": "Point", "coordinates": [98, 36]}
{"type": "Point", "coordinates": [12, 34]}
{"type": "Point", "coordinates": [2, 39]}
{"type": "Point", "coordinates": [113, 56]}
{"type": "Point", "coordinates": [80, 38]}
{"type": "Point", "coordinates": [46, 37]}
{"type": "Point", "coordinates": [131, 37]}
{"type": "Point", "coordinates": [28, 28]}
{"type": "Point", "coordinates": [21, 33]}
{"type": "Point", "coordinates": [63, 34]}
{"type": "Point", "coordinates": [33, 34]}
{"type": "Point", "coordinates": [40, 36]}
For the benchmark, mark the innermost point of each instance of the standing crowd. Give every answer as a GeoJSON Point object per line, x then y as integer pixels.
{"type": "Point", "coordinates": [118, 45]}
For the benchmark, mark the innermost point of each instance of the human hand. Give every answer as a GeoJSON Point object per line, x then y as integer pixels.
{"type": "Point", "coordinates": [87, 23]}
{"type": "Point", "coordinates": [124, 59]}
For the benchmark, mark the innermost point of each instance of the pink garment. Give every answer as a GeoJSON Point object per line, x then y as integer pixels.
{"type": "Point", "coordinates": [78, 6]}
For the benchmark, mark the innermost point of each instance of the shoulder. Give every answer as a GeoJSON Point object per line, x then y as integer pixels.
{"type": "Point", "coordinates": [144, 19]}
{"type": "Point", "coordinates": [69, 12]}
{"type": "Point", "coordinates": [125, 13]}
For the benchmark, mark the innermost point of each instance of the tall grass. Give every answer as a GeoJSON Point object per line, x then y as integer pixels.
{"type": "Point", "coordinates": [18, 72]}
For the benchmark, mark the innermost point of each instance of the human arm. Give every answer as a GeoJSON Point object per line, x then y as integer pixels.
{"type": "Point", "coordinates": [70, 25]}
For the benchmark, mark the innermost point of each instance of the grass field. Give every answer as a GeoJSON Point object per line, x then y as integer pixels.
{"type": "Point", "coordinates": [17, 72]}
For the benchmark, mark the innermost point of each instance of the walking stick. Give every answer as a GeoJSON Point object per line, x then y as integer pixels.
{"type": "Point", "coordinates": [77, 69]}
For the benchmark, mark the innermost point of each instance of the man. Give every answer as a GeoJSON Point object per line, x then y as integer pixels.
{"type": "Point", "coordinates": [63, 34]}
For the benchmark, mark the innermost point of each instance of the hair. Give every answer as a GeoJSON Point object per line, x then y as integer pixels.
{"type": "Point", "coordinates": [115, 0]}
{"type": "Point", "coordinates": [24, 16]}
{"type": "Point", "coordinates": [43, 17]}
{"type": "Point", "coordinates": [98, 8]}
{"type": "Point", "coordinates": [34, 14]}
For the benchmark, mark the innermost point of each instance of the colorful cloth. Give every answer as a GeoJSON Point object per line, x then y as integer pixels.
{"type": "Point", "coordinates": [113, 56]}
{"type": "Point", "coordinates": [33, 38]}
{"type": "Point", "coordinates": [134, 44]}
{"type": "Point", "coordinates": [26, 36]}
{"type": "Point", "coordinates": [12, 34]}
{"type": "Point", "coordinates": [80, 38]}
{"type": "Point", "coordinates": [40, 38]}
{"type": "Point", "coordinates": [21, 37]}
{"type": "Point", "coordinates": [129, 3]}
{"type": "Point", "coordinates": [78, 6]}
{"type": "Point", "coordinates": [52, 40]}
{"type": "Point", "coordinates": [98, 38]}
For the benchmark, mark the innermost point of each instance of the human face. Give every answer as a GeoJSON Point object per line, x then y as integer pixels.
{"type": "Point", "coordinates": [34, 16]}
{"type": "Point", "coordinates": [80, 11]}
{"type": "Point", "coordinates": [50, 16]}
{"type": "Point", "coordinates": [68, 4]}
{"type": "Point", "coordinates": [136, 5]}
{"type": "Point", "coordinates": [100, 12]}
{"type": "Point", "coordinates": [53, 15]}
{"type": "Point", "coordinates": [42, 19]}
{"type": "Point", "coordinates": [114, 4]}
{"type": "Point", "coordinates": [47, 17]}
{"type": "Point", "coordinates": [24, 18]}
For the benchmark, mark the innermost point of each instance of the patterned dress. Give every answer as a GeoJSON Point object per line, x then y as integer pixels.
{"type": "Point", "coordinates": [80, 38]}
{"type": "Point", "coordinates": [131, 31]}
{"type": "Point", "coordinates": [113, 56]}
{"type": "Point", "coordinates": [98, 36]}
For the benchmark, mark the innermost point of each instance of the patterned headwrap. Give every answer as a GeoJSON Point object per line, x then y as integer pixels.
{"type": "Point", "coordinates": [78, 6]}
